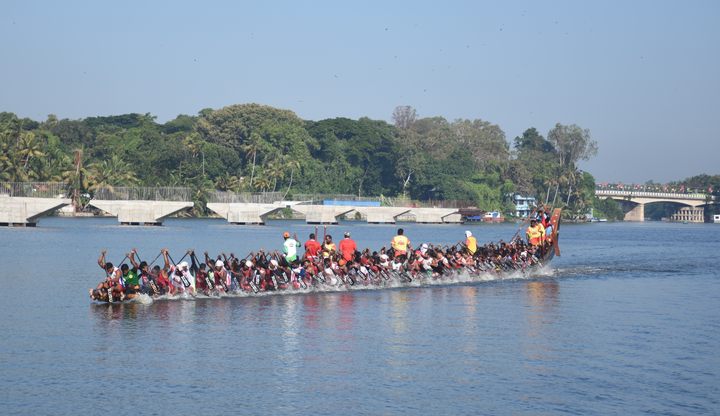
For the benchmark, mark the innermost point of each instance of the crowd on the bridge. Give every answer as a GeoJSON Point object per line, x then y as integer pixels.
{"type": "Point", "coordinates": [323, 263]}
{"type": "Point", "coordinates": [652, 187]}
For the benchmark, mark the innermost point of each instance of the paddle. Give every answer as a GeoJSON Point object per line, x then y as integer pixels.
{"type": "Point", "coordinates": [528, 218]}
{"type": "Point", "coordinates": [118, 264]}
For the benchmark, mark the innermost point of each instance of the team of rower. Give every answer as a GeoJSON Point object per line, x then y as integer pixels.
{"type": "Point", "coordinates": [322, 264]}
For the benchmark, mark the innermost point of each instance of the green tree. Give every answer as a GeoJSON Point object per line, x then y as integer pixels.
{"type": "Point", "coordinates": [109, 173]}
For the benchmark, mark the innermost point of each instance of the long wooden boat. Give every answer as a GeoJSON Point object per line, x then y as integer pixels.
{"type": "Point", "coordinates": [493, 270]}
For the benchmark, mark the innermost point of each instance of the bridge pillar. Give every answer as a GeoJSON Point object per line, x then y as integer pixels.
{"type": "Point", "coordinates": [25, 212]}
{"type": "Point", "coordinates": [322, 214]}
{"type": "Point", "coordinates": [244, 213]}
{"type": "Point", "coordinates": [689, 214]}
{"type": "Point", "coordinates": [381, 215]}
{"type": "Point", "coordinates": [436, 215]}
{"type": "Point", "coordinates": [141, 212]}
{"type": "Point", "coordinates": [636, 214]}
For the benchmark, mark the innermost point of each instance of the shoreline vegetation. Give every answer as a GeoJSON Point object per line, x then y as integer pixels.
{"type": "Point", "coordinates": [258, 148]}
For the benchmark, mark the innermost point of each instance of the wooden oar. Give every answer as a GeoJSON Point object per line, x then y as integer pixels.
{"type": "Point", "coordinates": [528, 218]}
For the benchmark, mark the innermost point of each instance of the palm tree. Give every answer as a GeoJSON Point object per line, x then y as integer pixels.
{"type": "Point", "coordinates": [77, 178]}
{"type": "Point", "coordinates": [109, 173]}
{"type": "Point", "coordinates": [262, 183]}
{"type": "Point", "coordinates": [251, 148]}
{"type": "Point", "coordinates": [275, 171]}
{"type": "Point", "coordinates": [12, 165]}
{"type": "Point", "coordinates": [228, 182]}
{"type": "Point", "coordinates": [294, 164]}
{"type": "Point", "coordinates": [29, 147]}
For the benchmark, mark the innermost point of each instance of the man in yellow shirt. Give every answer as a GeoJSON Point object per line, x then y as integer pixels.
{"type": "Point", "coordinates": [400, 243]}
{"type": "Point", "coordinates": [535, 233]}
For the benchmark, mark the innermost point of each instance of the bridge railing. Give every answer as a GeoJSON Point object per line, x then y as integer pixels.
{"type": "Point", "coordinates": [157, 193]}
{"type": "Point", "coordinates": [631, 194]}
{"type": "Point", "coordinates": [229, 197]}
{"type": "Point", "coordinates": [34, 189]}
{"type": "Point", "coordinates": [319, 198]}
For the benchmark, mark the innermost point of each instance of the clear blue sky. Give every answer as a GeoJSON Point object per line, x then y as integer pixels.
{"type": "Point", "coordinates": [643, 76]}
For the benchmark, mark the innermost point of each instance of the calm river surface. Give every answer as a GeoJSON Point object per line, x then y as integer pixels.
{"type": "Point", "coordinates": [627, 321]}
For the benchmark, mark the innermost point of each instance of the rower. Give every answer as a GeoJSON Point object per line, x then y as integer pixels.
{"type": "Point", "coordinates": [202, 283]}
{"type": "Point", "coordinates": [470, 242]}
{"type": "Point", "coordinates": [113, 281]}
{"type": "Point", "coordinates": [221, 276]}
{"type": "Point", "coordinates": [141, 270]}
{"type": "Point", "coordinates": [174, 274]}
{"type": "Point", "coordinates": [130, 280]}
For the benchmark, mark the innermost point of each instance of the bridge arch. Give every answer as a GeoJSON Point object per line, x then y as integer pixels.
{"type": "Point", "coordinates": [633, 203]}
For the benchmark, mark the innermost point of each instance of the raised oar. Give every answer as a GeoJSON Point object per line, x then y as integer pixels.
{"type": "Point", "coordinates": [124, 258]}
{"type": "Point", "coordinates": [524, 222]}
{"type": "Point", "coordinates": [155, 259]}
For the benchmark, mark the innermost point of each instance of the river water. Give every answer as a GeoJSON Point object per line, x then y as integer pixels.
{"type": "Point", "coordinates": [626, 321]}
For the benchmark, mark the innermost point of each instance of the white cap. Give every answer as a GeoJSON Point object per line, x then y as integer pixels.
{"type": "Point", "coordinates": [183, 265]}
{"type": "Point", "coordinates": [468, 233]}
{"type": "Point", "coordinates": [219, 263]}
{"type": "Point", "coordinates": [424, 246]}
{"type": "Point", "coordinates": [248, 263]}
{"type": "Point", "coordinates": [274, 262]}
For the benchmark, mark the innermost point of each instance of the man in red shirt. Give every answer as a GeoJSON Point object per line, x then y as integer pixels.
{"type": "Point", "coordinates": [347, 247]}
{"type": "Point", "coordinates": [312, 248]}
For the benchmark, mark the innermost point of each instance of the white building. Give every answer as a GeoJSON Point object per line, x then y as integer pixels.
{"type": "Point", "coordinates": [524, 205]}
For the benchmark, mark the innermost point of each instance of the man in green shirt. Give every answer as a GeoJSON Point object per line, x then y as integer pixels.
{"type": "Point", "coordinates": [131, 280]}
{"type": "Point", "coordinates": [290, 246]}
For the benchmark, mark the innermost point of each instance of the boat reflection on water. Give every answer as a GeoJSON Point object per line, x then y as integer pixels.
{"type": "Point", "coordinates": [543, 294]}
{"type": "Point", "coordinates": [543, 302]}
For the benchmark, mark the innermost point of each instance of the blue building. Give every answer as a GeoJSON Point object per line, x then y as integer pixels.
{"type": "Point", "coordinates": [523, 205]}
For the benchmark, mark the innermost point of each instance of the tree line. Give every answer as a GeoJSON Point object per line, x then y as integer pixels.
{"type": "Point", "coordinates": [257, 148]}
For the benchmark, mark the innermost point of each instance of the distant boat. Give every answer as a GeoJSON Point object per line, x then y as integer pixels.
{"type": "Point", "coordinates": [594, 219]}
{"type": "Point", "coordinates": [493, 216]}
{"type": "Point", "coordinates": [716, 219]}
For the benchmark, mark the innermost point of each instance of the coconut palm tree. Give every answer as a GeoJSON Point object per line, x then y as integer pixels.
{"type": "Point", "coordinates": [294, 165]}
{"type": "Point", "coordinates": [110, 173]}
{"type": "Point", "coordinates": [76, 178]}
{"type": "Point", "coordinates": [262, 183]}
{"type": "Point", "coordinates": [28, 148]}
{"type": "Point", "coordinates": [252, 147]}
{"type": "Point", "coordinates": [274, 171]}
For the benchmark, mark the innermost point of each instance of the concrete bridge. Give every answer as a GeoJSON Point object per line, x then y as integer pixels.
{"type": "Point", "coordinates": [23, 203]}
{"type": "Point", "coordinates": [142, 205]}
{"type": "Point", "coordinates": [257, 213]}
{"type": "Point", "coordinates": [141, 212]}
{"type": "Point", "coordinates": [634, 202]}
{"type": "Point", "coordinates": [26, 211]}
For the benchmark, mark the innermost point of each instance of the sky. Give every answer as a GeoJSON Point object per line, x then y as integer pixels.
{"type": "Point", "coordinates": [642, 76]}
